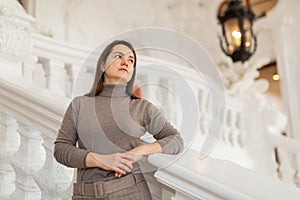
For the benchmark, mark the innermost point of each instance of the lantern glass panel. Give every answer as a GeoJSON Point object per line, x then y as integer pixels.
{"type": "Point", "coordinates": [233, 34]}
{"type": "Point", "coordinates": [247, 33]}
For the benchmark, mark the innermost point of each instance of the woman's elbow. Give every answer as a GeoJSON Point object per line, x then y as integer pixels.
{"type": "Point", "coordinates": [180, 143]}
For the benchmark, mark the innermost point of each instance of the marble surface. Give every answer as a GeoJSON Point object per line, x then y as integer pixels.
{"type": "Point", "coordinates": [221, 178]}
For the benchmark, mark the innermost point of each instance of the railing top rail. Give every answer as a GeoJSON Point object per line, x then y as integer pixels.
{"type": "Point", "coordinates": [212, 175]}
{"type": "Point", "coordinates": [41, 107]}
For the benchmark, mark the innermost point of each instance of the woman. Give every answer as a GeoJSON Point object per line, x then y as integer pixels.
{"type": "Point", "coordinates": [107, 124]}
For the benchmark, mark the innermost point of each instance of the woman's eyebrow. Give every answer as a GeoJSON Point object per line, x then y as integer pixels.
{"type": "Point", "coordinates": [118, 52]}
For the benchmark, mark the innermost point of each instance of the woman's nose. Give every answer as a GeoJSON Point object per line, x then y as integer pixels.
{"type": "Point", "coordinates": [124, 62]}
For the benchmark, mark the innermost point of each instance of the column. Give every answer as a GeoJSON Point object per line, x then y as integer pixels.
{"type": "Point", "coordinates": [286, 33]}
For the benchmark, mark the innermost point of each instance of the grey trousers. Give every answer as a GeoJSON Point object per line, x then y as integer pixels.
{"type": "Point", "coordinates": [129, 187]}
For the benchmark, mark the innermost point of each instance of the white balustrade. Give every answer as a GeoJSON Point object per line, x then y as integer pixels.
{"type": "Point", "coordinates": [36, 174]}
{"type": "Point", "coordinates": [60, 186]}
{"type": "Point", "coordinates": [288, 152]}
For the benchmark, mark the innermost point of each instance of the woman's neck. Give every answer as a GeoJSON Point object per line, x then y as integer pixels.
{"type": "Point", "coordinates": [114, 90]}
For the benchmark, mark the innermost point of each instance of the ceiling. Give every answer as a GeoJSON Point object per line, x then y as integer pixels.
{"type": "Point", "coordinates": [261, 7]}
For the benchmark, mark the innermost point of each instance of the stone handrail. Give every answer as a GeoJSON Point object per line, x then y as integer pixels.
{"type": "Point", "coordinates": [195, 178]}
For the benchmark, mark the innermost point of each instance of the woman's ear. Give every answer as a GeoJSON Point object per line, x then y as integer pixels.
{"type": "Point", "coordinates": [102, 68]}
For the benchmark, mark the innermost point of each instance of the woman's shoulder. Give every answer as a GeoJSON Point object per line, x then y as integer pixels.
{"type": "Point", "coordinates": [81, 99]}
{"type": "Point", "coordinates": [143, 103]}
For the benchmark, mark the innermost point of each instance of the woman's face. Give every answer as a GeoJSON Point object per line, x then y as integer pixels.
{"type": "Point", "coordinates": [119, 65]}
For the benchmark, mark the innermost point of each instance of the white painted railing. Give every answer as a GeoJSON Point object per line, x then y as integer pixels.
{"type": "Point", "coordinates": [36, 87]}
{"type": "Point", "coordinates": [29, 126]}
{"type": "Point", "coordinates": [286, 151]}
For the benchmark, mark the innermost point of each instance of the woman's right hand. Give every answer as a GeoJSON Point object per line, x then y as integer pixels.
{"type": "Point", "coordinates": [121, 163]}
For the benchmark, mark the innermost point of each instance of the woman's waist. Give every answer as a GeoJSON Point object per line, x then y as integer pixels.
{"type": "Point", "coordinates": [98, 174]}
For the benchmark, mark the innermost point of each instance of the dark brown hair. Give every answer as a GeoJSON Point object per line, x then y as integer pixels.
{"type": "Point", "coordinates": [97, 86]}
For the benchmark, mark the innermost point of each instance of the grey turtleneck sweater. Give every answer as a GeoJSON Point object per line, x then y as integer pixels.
{"type": "Point", "coordinates": [108, 123]}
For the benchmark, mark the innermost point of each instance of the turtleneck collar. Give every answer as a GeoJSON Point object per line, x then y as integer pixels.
{"type": "Point", "coordinates": [114, 90]}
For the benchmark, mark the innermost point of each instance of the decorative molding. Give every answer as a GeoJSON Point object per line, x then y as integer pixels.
{"type": "Point", "coordinates": [240, 79]}
{"type": "Point", "coordinates": [15, 40]}
{"type": "Point", "coordinates": [15, 30]}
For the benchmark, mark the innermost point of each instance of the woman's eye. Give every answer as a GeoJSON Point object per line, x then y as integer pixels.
{"type": "Point", "coordinates": [131, 60]}
{"type": "Point", "coordinates": [118, 56]}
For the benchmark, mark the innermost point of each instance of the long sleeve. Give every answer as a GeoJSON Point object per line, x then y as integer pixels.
{"type": "Point", "coordinates": [166, 135]}
{"type": "Point", "coordinates": [65, 150]}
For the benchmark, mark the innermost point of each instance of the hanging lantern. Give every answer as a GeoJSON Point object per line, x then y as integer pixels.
{"type": "Point", "coordinates": [236, 20]}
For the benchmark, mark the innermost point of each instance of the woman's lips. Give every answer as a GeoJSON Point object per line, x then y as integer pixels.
{"type": "Point", "coordinates": [123, 69]}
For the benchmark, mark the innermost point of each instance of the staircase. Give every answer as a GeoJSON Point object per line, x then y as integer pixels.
{"type": "Point", "coordinates": [249, 159]}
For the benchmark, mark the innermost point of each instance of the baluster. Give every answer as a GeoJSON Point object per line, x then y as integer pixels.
{"type": "Point", "coordinates": [70, 80]}
{"type": "Point", "coordinates": [55, 74]}
{"type": "Point", "coordinates": [67, 195]}
{"type": "Point", "coordinates": [174, 107]}
{"type": "Point", "coordinates": [240, 131]}
{"type": "Point", "coordinates": [72, 73]}
{"type": "Point", "coordinates": [163, 94]}
{"type": "Point", "coordinates": [27, 161]}
{"type": "Point", "coordinates": [39, 75]}
{"type": "Point", "coordinates": [142, 83]}
{"type": "Point", "coordinates": [53, 178]}
{"type": "Point", "coordinates": [297, 174]}
{"type": "Point", "coordinates": [28, 68]}
{"type": "Point", "coordinates": [226, 128]}
{"type": "Point", "coordinates": [286, 168]}
{"type": "Point", "coordinates": [294, 158]}
{"type": "Point", "coordinates": [9, 143]}
{"type": "Point", "coordinates": [58, 74]}
{"type": "Point", "coordinates": [204, 111]}
{"type": "Point", "coordinates": [201, 110]}
{"type": "Point", "coordinates": [234, 129]}
{"type": "Point", "coordinates": [151, 85]}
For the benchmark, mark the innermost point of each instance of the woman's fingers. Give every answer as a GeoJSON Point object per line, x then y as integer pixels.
{"type": "Point", "coordinates": [127, 163]}
{"type": "Point", "coordinates": [121, 163]}
{"type": "Point", "coordinates": [118, 175]}
{"type": "Point", "coordinates": [119, 170]}
{"type": "Point", "coordinates": [124, 167]}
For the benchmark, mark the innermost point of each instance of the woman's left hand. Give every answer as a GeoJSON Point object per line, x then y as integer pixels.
{"type": "Point", "coordinates": [134, 157]}
{"type": "Point", "coordinates": [138, 152]}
